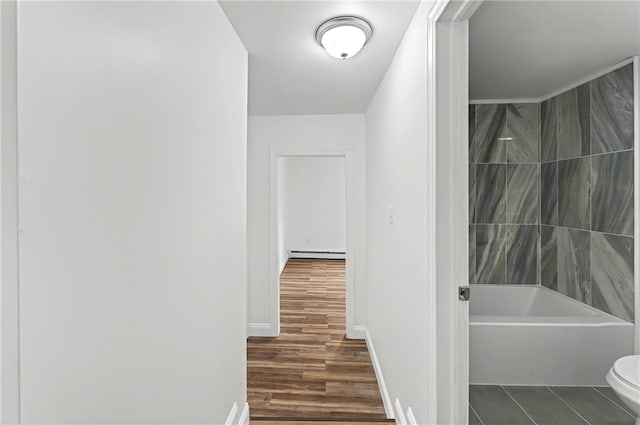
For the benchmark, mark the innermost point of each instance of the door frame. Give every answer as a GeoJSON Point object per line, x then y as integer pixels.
{"type": "Point", "coordinates": [448, 209]}
{"type": "Point", "coordinates": [274, 268]}
{"type": "Point", "coordinates": [9, 279]}
{"type": "Point", "coordinates": [636, 197]}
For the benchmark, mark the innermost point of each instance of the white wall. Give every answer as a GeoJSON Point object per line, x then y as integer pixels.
{"type": "Point", "coordinates": [315, 191]}
{"type": "Point", "coordinates": [132, 162]}
{"type": "Point", "coordinates": [298, 132]}
{"type": "Point", "coordinates": [396, 253]}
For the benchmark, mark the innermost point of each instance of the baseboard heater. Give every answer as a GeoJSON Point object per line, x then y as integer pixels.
{"type": "Point", "coordinates": [330, 255]}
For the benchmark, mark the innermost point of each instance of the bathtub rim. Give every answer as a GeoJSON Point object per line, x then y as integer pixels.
{"type": "Point", "coordinates": [522, 320]}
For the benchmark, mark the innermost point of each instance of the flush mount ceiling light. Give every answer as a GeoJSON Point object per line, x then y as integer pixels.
{"type": "Point", "coordinates": [344, 36]}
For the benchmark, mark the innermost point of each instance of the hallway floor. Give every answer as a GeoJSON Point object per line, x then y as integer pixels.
{"type": "Point", "coordinates": [311, 371]}
{"type": "Point", "coordinates": [498, 405]}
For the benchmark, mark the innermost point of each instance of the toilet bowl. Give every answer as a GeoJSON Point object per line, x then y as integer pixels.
{"type": "Point", "coordinates": [624, 379]}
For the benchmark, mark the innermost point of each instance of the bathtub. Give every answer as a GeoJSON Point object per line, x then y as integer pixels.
{"type": "Point", "coordinates": [531, 335]}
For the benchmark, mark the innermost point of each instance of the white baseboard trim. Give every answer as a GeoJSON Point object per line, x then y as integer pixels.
{"type": "Point", "coordinates": [232, 415]}
{"type": "Point", "coordinates": [411, 419]}
{"type": "Point", "coordinates": [259, 329]}
{"type": "Point", "coordinates": [283, 263]}
{"type": "Point", "coordinates": [400, 418]}
{"type": "Point", "coordinates": [359, 332]}
{"type": "Point", "coordinates": [244, 416]}
{"type": "Point", "coordinates": [384, 393]}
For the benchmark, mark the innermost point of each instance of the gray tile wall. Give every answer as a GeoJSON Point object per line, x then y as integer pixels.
{"type": "Point", "coordinates": [586, 194]}
{"type": "Point", "coordinates": [504, 168]}
{"type": "Point", "coordinates": [551, 193]}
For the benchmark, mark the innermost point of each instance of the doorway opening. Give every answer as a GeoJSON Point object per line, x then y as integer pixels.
{"type": "Point", "coordinates": [312, 369]}
{"type": "Point", "coordinates": [311, 216]}
{"type": "Point", "coordinates": [551, 225]}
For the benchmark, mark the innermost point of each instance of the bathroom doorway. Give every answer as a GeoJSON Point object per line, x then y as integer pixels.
{"type": "Point", "coordinates": [553, 133]}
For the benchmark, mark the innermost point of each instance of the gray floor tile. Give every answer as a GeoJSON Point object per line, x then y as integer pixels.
{"type": "Point", "coordinates": [593, 406]}
{"type": "Point", "coordinates": [473, 418]}
{"type": "Point", "coordinates": [611, 395]}
{"type": "Point", "coordinates": [494, 406]}
{"type": "Point", "coordinates": [544, 407]}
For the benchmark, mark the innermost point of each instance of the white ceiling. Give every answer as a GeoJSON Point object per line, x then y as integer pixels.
{"type": "Point", "coordinates": [527, 49]}
{"type": "Point", "coordinates": [290, 74]}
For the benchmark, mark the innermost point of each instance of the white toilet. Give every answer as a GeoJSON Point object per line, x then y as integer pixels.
{"type": "Point", "coordinates": [624, 378]}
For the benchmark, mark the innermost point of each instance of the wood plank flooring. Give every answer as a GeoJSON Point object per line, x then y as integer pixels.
{"type": "Point", "coordinates": [311, 371]}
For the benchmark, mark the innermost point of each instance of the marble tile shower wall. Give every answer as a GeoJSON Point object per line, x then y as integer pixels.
{"type": "Point", "coordinates": [551, 193]}
{"type": "Point", "coordinates": [586, 200]}
{"type": "Point", "coordinates": [503, 204]}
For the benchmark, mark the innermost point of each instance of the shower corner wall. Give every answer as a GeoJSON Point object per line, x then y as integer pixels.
{"type": "Point", "coordinates": [551, 193]}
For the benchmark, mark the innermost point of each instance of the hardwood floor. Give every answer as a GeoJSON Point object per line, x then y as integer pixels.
{"type": "Point", "coordinates": [311, 371]}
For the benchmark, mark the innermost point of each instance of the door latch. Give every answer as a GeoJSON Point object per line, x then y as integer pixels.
{"type": "Point", "coordinates": [464, 293]}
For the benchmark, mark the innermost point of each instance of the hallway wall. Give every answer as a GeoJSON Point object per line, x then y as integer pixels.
{"type": "Point", "coordinates": [396, 252]}
{"type": "Point", "coordinates": [298, 132]}
{"type": "Point", "coordinates": [132, 166]}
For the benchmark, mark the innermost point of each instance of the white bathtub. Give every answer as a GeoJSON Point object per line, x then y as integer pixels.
{"type": "Point", "coordinates": [531, 335]}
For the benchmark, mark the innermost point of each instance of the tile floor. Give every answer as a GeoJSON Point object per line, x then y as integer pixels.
{"type": "Point", "coordinates": [498, 405]}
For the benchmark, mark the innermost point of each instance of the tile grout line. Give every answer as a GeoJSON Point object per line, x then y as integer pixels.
{"type": "Point", "coordinates": [581, 157]}
{"type": "Point", "coordinates": [590, 191]}
{"type": "Point", "coordinates": [579, 230]}
{"type": "Point", "coordinates": [623, 408]}
{"type": "Point", "coordinates": [568, 405]}
{"type": "Point", "coordinates": [476, 413]}
{"type": "Point", "coordinates": [518, 404]}
{"type": "Point", "coordinates": [506, 197]}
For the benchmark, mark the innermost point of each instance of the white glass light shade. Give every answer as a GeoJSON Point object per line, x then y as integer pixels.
{"type": "Point", "coordinates": [343, 42]}
{"type": "Point", "coordinates": [343, 37]}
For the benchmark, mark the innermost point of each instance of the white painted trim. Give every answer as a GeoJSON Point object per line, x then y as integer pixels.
{"type": "Point", "coordinates": [437, 12]}
{"type": "Point", "coordinates": [274, 275]}
{"type": "Point", "coordinates": [636, 191]}
{"type": "Point", "coordinates": [359, 332]}
{"type": "Point", "coordinates": [411, 419]}
{"type": "Point", "coordinates": [400, 418]}
{"type": "Point", "coordinates": [432, 324]}
{"type": "Point", "coordinates": [384, 392]}
{"type": "Point", "coordinates": [244, 416]}
{"type": "Point", "coordinates": [9, 247]}
{"type": "Point", "coordinates": [232, 415]}
{"type": "Point", "coordinates": [448, 99]}
{"type": "Point", "coordinates": [283, 264]}
{"type": "Point", "coordinates": [467, 10]}
{"type": "Point", "coordinates": [586, 79]}
{"type": "Point", "coordinates": [260, 329]}
{"type": "Point", "coordinates": [502, 101]}
{"type": "Point", "coordinates": [460, 107]}
{"type": "Point", "coordinates": [335, 151]}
